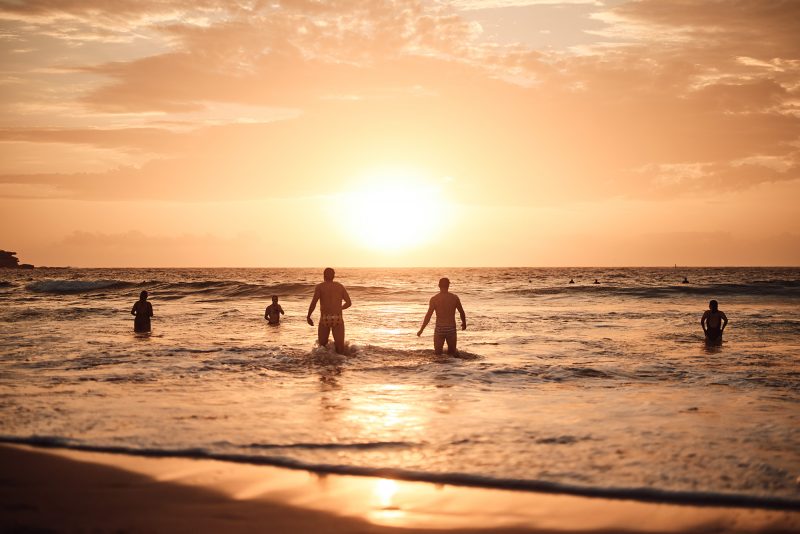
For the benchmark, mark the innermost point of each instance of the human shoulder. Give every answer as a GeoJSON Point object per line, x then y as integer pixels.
{"type": "Point", "coordinates": [706, 314]}
{"type": "Point", "coordinates": [450, 297]}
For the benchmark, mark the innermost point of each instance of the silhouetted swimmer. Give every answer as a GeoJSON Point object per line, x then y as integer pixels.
{"type": "Point", "coordinates": [685, 280]}
{"type": "Point", "coordinates": [330, 295]}
{"type": "Point", "coordinates": [445, 305]}
{"type": "Point", "coordinates": [596, 281]}
{"type": "Point", "coordinates": [571, 281]}
{"type": "Point", "coordinates": [713, 322]}
{"type": "Point", "coordinates": [273, 312]}
{"type": "Point", "coordinates": [142, 310]}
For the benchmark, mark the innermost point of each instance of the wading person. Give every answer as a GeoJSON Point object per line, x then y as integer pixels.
{"type": "Point", "coordinates": [445, 305]}
{"type": "Point", "coordinates": [333, 299]}
{"type": "Point", "coordinates": [142, 310]}
{"type": "Point", "coordinates": [713, 323]}
{"type": "Point", "coordinates": [273, 312]}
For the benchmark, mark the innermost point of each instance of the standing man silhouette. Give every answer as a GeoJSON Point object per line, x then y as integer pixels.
{"type": "Point", "coordinates": [330, 295]}
{"type": "Point", "coordinates": [713, 322]}
{"type": "Point", "coordinates": [273, 312]}
{"type": "Point", "coordinates": [142, 310]}
{"type": "Point", "coordinates": [445, 305]}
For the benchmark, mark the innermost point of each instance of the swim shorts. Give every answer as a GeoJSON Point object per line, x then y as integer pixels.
{"type": "Point", "coordinates": [445, 331]}
{"type": "Point", "coordinates": [331, 320]}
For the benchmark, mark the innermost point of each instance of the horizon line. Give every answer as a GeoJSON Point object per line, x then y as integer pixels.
{"type": "Point", "coordinates": [674, 266]}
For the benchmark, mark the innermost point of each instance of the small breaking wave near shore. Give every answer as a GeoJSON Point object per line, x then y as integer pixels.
{"type": "Point", "coordinates": [652, 495]}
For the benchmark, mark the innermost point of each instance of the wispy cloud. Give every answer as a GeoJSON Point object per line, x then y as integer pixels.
{"type": "Point", "coordinates": [678, 98]}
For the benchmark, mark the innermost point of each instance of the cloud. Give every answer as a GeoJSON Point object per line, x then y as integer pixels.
{"type": "Point", "coordinates": [500, 4]}
{"type": "Point", "coordinates": [681, 248]}
{"type": "Point", "coordinates": [681, 98]}
{"type": "Point", "coordinates": [149, 139]}
{"type": "Point", "coordinates": [137, 249]}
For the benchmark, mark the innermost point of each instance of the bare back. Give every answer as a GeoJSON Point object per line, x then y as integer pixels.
{"type": "Point", "coordinates": [142, 308]}
{"type": "Point", "coordinates": [331, 295]}
{"type": "Point", "coordinates": [714, 318]}
{"type": "Point", "coordinates": [445, 304]}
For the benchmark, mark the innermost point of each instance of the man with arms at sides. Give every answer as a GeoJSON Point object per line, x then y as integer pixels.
{"type": "Point", "coordinates": [445, 305]}
{"type": "Point", "coordinates": [713, 322]}
{"type": "Point", "coordinates": [330, 295]}
{"type": "Point", "coordinates": [142, 310]}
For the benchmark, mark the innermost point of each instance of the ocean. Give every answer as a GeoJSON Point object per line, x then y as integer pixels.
{"type": "Point", "coordinates": [593, 389]}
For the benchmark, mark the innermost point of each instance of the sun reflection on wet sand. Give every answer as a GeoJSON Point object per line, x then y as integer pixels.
{"type": "Point", "coordinates": [385, 489]}
{"type": "Point", "coordinates": [404, 504]}
{"type": "Point", "coordinates": [386, 511]}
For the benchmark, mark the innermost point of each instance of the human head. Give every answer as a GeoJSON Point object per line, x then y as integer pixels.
{"type": "Point", "coordinates": [328, 274]}
{"type": "Point", "coordinates": [274, 299]}
{"type": "Point", "coordinates": [143, 295]}
{"type": "Point", "coordinates": [713, 305]}
{"type": "Point", "coordinates": [444, 284]}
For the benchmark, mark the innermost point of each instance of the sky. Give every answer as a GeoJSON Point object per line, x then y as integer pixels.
{"type": "Point", "coordinates": [280, 133]}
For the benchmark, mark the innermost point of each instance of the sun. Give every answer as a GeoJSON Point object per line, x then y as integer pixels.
{"type": "Point", "coordinates": [395, 211]}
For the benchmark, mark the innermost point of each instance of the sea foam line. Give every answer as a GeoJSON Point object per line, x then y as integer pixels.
{"type": "Point", "coordinates": [651, 495]}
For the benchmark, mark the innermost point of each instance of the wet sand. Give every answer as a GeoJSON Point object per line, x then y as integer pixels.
{"type": "Point", "coordinates": [66, 490]}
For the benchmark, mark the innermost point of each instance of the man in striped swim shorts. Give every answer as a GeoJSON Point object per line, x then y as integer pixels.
{"type": "Point", "coordinates": [445, 305]}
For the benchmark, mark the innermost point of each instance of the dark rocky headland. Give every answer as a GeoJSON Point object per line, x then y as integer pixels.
{"type": "Point", "coordinates": [9, 260]}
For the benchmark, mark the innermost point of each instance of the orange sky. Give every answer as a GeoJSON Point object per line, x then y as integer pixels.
{"type": "Point", "coordinates": [400, 133]}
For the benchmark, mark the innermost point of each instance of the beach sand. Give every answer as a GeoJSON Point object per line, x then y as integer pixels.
{"type": "Point", "coordinates": [48, 489]}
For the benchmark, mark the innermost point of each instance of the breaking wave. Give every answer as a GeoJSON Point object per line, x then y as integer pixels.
{"type": "Point", "coordinates": [76, 286]}
{"type": "Point", "coordinates": [642, 494]}
{"type": "Point", "coordinates": [784, 288]}
{"type": "Point", "coordinates": [208, 289]}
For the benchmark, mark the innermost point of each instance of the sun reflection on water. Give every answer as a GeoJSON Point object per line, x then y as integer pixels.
{"type": "Point", "coordinates": [382, 410]}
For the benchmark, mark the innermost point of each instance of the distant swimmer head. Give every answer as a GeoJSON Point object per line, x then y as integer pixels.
{"type": "Point", "coordinates": [571, 281]}
{"type": "Point", "coordinates": [685, 280]}
{"type": "Point", "coordinates": [444, 283]}
{"type": "Point", "coordinates": [274, 299]}
{"type": "Point", "coordinates": [713, 305]}
{"type": "Point", "coordinates": [143, 295]}
{"type": "Point", "coordinates": [328, 274]}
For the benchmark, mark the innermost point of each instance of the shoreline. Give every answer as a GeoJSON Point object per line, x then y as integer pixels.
{"type": "Point", "coordinates": [68, 489]}
{"type": "Point", "coordinates": [458, 480]}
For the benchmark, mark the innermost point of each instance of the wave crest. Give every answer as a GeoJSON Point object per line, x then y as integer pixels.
{"type": "Point", "coordinates": [76, 286]}
{"type": "Point", "coordinates": [642, 494]}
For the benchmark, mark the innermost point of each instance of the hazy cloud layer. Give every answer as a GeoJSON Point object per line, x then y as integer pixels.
{"type": "Point", "coordinates": [674, 98]}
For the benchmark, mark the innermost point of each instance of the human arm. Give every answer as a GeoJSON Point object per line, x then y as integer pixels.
{"type": "Point", "coordinates": [266, 313]}
{"type": "Point", "coordinates": [312, 306]}
{"type": "Point", "coordinates": [149, 309]}
{"type": "Point", "coordinates": [703, 321]}
{"type": "Point", "coordinates": [427, 318]}
{"type": "Point", "coordinates": [724, 321]}
{"type": "Point", "coordinates": [460, 309]}
{"type": "Point", "coordinates": [346, 299]}
{"type": "Point", "coordinates": [133, 310]}
{"type": "Point", "coordinates": [280, 309]}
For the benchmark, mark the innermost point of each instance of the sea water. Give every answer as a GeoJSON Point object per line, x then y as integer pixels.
{"type": "Point", "coordinates": [587, 388]}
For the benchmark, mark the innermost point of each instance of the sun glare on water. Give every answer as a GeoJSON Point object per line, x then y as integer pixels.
{"type": "Point", "coordinates": [395, 211]}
